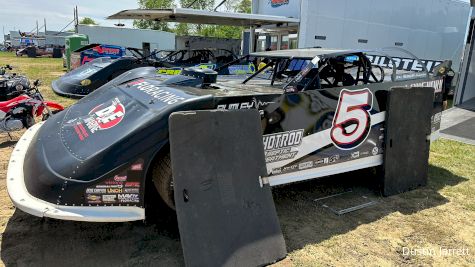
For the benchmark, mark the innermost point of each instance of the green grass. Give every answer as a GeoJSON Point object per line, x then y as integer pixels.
{"type": "Point", "coordinates": [44, 69]}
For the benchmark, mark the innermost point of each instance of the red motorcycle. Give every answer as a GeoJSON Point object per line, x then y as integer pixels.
{"type": "Point", "coordinates": [21, 111]}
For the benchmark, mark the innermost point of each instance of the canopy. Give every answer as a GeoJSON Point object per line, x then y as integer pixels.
{"type": "Point", "coordinates": [196, 16]}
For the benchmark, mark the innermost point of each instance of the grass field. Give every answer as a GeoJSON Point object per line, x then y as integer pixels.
{"type": "Point", "coordinates": [440, 215]}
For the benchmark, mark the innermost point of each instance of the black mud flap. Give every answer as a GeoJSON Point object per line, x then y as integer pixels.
{"type": "Point", "coordinates": [225, 217]}
{"type": "Point", "coordinates": [408, 128]}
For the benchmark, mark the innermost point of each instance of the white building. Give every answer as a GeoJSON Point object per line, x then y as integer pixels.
{"type": "Point", "coordinates": [135, 38]}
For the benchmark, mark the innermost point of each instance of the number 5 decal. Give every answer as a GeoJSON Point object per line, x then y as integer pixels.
{"type": "Point", "coordinates": [352, 122]}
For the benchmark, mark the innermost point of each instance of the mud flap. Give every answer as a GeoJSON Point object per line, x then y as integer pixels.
{"type": "Point", "coordinates": [408, 128]}
{"type": "Point", "coordinates": [225, 217]}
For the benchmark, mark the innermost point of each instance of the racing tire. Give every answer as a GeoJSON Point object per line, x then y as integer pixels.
{"type": "Point", "coordinates": [163, 180]}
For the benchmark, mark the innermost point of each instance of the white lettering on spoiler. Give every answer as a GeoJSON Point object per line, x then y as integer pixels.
{"type": "Point", "coordinates": [157, 93]}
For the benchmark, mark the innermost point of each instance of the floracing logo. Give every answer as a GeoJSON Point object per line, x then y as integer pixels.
{"type": "Point", "coordinates": [278, 3]}
{"type": "Point", "coordinates": [157, 93]}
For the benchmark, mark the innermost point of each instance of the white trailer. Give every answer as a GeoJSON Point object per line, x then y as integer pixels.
{"type": "Point", "coordinates": [433, 30]}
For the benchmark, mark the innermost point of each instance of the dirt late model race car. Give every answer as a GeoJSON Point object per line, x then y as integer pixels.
{"type": "Point", "coordinates": [93, 161]}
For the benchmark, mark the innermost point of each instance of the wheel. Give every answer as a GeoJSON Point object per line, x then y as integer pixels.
{"type": "Point", "coordinates": [163, 180]}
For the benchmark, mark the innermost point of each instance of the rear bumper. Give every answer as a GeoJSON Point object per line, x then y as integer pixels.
{"type": "Point", "coordinates": [23, 200]}
{"type": "Point", "coordinates": [58, 91]}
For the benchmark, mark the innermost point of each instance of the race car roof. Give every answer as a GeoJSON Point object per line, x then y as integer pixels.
{"type": "Point", "coordinates": [304, 53]}
{"type": "Point", "coordinates": [188, 15]}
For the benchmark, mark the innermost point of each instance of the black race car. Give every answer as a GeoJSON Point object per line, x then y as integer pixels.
{"type": "Point", "coordinates": [92, 75]}
{"type": "Point", "coordinates": [93, 161]}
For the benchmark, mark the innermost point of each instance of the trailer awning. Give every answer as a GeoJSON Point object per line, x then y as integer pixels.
{"type": "Point", "coordinates": [195, 16]}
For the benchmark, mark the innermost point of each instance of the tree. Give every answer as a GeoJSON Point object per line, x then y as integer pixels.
{"type": "Point", "coordinates": [150, 24]}
{"type": "Point", "coordinates": [87, 21]}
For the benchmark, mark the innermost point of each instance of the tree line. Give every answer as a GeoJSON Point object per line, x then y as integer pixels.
{"type": "Point", "coordinates": [221, 31]}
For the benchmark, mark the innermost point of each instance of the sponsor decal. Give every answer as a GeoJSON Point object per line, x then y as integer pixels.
{"type": "Point", "coordinates": [333, 158]}
{"type": "Point", "coordinates": [161, 95]}
{"type": "Point", "coordinates": [120, 178]}
{"type": "Point", "coordinates": [137, 167]}
{"type": "Point", "coordinates": [172, 71]}
{"type": "Point", "coordinates": [355, 155]}
{"type": "Point", "coordinates": [276, 170]}
{"type": "Point", "coordinates": [93, 199]}
{"type": "Point", "coordinates": [436, 84]}
{"type": "Point", "coordinates": [102, 117]}
{"type": "Point", "coordinates": [110, 182]}
{"type": "Point", "coordinates": [352, 122]}
{"type": "Point", "coordinates": [375, 151]}
{"type": "Point", "coordinates": [255, 103]}
{"type": "Point", "coordinates": [281, 146]}
{"type": "Point", "coordinates": [128, 198]}
{"type": "Point", "coordinates": [290, 168]}
{"type": "Point", "coordinates": [131, 190]}
{"type": "Point", "coordinates": [109, 198]}
{"type": "Point", "coordinates": [114, 190]}
{"type": "Point", "coordinates": [242, 69]}
{"type": "Point", "coordinates": [306, 165]}
{"type": "Point", "coordinates": [132, 184]}
{"type": "Point", "coordinates": [278, 3]}
{"type": "Point", "coordinates": [95, 191]}
{"type": "Point", "coordinates": [408, 64]}
{"type": "Point", "coordinates": [106, 50]}
{"type": "Point", "coordinates": [109, 185]}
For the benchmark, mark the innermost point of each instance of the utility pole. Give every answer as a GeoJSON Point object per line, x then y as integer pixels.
{"type": "Point", "coordinates": [76, 19]}
{"type": "Point", "coordinates": [45, 24]}
{"type": "Point", "coordinates": [37, 30]}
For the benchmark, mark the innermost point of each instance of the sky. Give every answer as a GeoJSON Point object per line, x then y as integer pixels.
{"type": "Point", "coordinates": [23, 14]}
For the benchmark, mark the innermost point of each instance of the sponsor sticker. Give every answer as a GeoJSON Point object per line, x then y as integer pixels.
{"type": "Point", "coordinates": [128, 198]}
{"type": "Point", "coordinates": [102, 117]}
{"type": "Point", "coordinates": [109, 198]}
{"type": "Point", "coordinates": [278, 3]}
{"type": "Point", "coordinates": [132, 184]}
{"type": "Point", "coordinates": [120, 178]}
{"type": "Point", "coordinates": [114, 190]}
{"type": "Point", "coordinates": [95, 191]}
{"type": "Point", "coordinates": [355, 155]}
{"type": "Point", "coordinates": [131, 190]}
{"type": "Point", "coordinates": [306, 165]}
{"type": "Point", "coordinates": [281, 146]}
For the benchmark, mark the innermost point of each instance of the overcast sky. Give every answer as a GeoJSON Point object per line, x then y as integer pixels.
{"type": "Point", "coordinates": [22, 14]}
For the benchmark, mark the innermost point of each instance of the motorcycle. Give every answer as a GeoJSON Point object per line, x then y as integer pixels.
{"type": "Point", "coordinates": [11, 85]}
{"type": "Point", "coordinates": [21, 111]}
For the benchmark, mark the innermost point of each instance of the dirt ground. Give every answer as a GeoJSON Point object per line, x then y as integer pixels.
{"type": "Point", "coordinates": [438, 216]}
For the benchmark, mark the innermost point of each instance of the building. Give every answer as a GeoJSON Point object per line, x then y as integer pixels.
{"type": "Point", "coordinates": [135, 38]}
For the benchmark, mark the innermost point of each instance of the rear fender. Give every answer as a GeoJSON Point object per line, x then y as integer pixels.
{"type": "Point", "coordinates": [54, 105]}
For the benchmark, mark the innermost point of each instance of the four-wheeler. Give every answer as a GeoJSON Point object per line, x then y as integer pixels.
{"type": "Point", "coordinates": [11, 84]}
{"type": "Point", "coordinates": [20, 112]}
{"type": "Point", "coordinates": [93, 161]}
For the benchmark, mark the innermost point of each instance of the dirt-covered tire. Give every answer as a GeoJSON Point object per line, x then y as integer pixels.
{"type": "Point", "coordinates": [163, 180]}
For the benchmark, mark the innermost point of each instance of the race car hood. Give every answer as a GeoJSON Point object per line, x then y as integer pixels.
{"type": "Point", "coordinates": [92, 75]}
{"type": "Point", "coordinates": [103, 132]}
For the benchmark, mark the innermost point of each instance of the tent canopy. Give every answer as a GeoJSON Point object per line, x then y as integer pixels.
{"type": "Point", "coordinates": [195, 16]}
